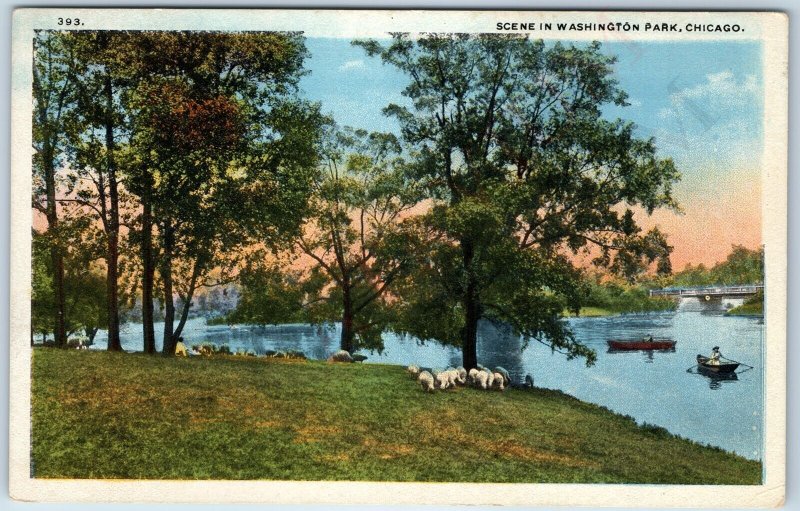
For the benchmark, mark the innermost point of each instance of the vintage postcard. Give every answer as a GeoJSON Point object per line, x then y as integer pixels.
{"type": "Point", "coordinates": [399, 257]}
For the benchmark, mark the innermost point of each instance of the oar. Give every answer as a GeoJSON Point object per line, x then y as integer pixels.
{"type": "Point", "coordinates": [737, 362]}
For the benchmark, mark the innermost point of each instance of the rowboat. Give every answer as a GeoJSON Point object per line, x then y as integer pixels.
{"type": "Point", "coordinates": [641, 344]}
{"type": "Point", "coordinates": [703, 364]}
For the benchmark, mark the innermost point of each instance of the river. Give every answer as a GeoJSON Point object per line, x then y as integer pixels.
{"type": "Point", "coordinates": [661, 388]}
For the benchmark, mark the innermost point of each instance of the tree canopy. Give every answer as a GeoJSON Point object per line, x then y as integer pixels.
{"type": "Point", "coordinates": [523, 171]}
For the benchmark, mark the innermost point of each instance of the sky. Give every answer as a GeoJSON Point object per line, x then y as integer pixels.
{"type": "Point", "coordinates": [701, 101]}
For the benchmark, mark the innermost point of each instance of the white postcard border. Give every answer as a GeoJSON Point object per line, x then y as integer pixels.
{"type": "Point", "coordinates": [770, 28]}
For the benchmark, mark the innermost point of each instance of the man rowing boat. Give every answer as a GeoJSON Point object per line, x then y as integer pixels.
{"type": "Point", "coordinates": [715, 357]}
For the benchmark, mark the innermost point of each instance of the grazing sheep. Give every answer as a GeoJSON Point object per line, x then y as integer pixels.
{"type": "Point", "coordinates": [359, 358]}
{"type": "Point", "coordinates": [426, 380]}
{"type": "Point", "coordinates": [482, 379]}
{"type": "Point", "coordinates": [340, 356]}
{"type": "Point", "coordinates": [442, 380]}
{"type": "Point", "coordinates": [462, 375]}
{"type": "Point", "coordinates": [452, 377]}
{"type": "Point", "coordinates": [473, 376]}
{"type": "Point", "coordinates": [499, 381]}
{"type": "Point", "coordinates": [504, 372]}
{"type": "Point", "coordinates": [413, 371]}
{"type": "Point", "coordinates": [489, 378]}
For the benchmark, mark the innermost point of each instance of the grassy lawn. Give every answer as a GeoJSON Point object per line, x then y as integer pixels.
{"type": "Point", "coordinates": [113, 415]}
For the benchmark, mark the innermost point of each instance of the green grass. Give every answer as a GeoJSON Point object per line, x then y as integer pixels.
{"type": "Point", "coordinates": [116, 415]}
{"type": "Point", "coordinates": [748, 309]}
{"type": "Point", "coordinates": [590, 312]}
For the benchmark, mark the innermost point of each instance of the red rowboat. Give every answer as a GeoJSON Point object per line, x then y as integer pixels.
{"type": "Point", "coordinates": [642, 344]}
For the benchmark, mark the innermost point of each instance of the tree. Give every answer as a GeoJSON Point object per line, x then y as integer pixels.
{"type": "Point", "coordinates": [354, 234]}
{"type": "Point", "coordinates": [522, 171]}
{"type": "Point", "coordinates": [221, 151]}
{"type": "Point", "coordinates": [743, 266]}
{"type": "Point", "coordinates": [94, 135]}
{"type": "Point", "coordinates": [353, 246]}
{"type": "Point", "coordinates": [84, 285]}
{"type": "Point", "coordinates": [53, 101]}
{"type": "Point", "coordinates": [42, 296]}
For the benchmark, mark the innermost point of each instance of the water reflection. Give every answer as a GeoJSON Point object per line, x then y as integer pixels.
{"type": "Point", "coordinates": [715, 379]}
{"type": "Point", "coordinates": [647, 355]}
{"type": "Point", "coordinates": [499, 345]}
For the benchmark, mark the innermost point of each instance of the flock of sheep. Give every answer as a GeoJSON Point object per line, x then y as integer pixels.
{"type": "Point", "coordinates": [480, 377]}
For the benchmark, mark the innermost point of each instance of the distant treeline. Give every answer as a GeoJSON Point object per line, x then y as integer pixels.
{"type": "Point", "coordinates": [743, 266]}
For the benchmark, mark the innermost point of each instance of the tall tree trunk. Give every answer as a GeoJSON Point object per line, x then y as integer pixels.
{"type": "Point", "coordinates": [187, 300]}
{"type": "Point", "coordinates": [112, 252]}
{"type": "Point", "coordinates": [472, 308]}
{"type": "Point", "coordinates": [346, 342]}
{"type": "Point", "coordinates": [56, 253]}
{"type": "Point", "coordinates": [168, 244]}
{"type": "Point", "coordinates": [148, 273]}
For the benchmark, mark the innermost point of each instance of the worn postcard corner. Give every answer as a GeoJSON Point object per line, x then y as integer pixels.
{"type": "Point", "coordinates": [399, 257]}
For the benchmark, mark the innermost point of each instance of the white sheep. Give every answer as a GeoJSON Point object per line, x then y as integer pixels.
{"type": "Point", "coordinates": [453, 377]}
{"type": "Point", "coordinates": [482, 379]}
{"type": "Point", "coordinates": [499, 381]}
{"type": "Point", "coordinates": [462, 375]}
{"type": "Point", "coordinates": [504, 372]}
{"type": "Point", "coordinates": [413, 371]}
{"type": "Point", "coordinates": [426, 380]}
{"type": "Point", "coordinates": [473, 375]}
{"type": "Point", "coordinates": [489, 378]}
{"type": "Point", "coordinates": [442, 380]}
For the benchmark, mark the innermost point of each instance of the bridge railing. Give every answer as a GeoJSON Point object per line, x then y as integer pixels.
{"type": "Point", "coordinates": [715, 290]}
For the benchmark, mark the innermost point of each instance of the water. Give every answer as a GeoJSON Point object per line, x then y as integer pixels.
{"type": "Point", "coordinates": [661, 388]}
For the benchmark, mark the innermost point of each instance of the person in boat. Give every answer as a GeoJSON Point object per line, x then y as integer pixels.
{"type": "Point", "coordinates": [650, 339]}
{"type": "Point", "coordinates": [714, 359]}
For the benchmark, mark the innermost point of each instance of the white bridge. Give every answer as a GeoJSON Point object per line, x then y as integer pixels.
{"type": "Point", "coordinates": [709, 292]}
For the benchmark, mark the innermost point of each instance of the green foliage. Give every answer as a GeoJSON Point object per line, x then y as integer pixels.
{"type": "Point", "coordinates": [352, 248]}
{"type": "Point", "coordinates": [742, 266]}
{"type": "Point", "coordinates": [248, 418]}
{"type": "Point", "coordinates": [204, 130]}
{"type": "Point", "coordinates": [753, 306]}
{"type": "Point", "coordinates": [221, 144]}
{"type": "Point", "coordinates": [522, 170]}
{"type": "Point", "coordinates": [270, 295]}
{"type": "Point", "coordinates": [84, 286]}
{"type": "Point", "coordinates": [620, 297]}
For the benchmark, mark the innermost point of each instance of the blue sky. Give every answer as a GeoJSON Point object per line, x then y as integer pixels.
{"type": "Point", "coordinates": [702, 101]}
{"type": "Point", "coordinates": [697, 98]}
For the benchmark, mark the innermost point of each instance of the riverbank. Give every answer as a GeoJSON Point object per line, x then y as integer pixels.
{"type": "Point", "coordinates": [589, 312]}
{"type": "Point", "coordinates": [115, 415]}
{"type": "Point", "coordinates": [600, 312]}
{"type": "Point", "coordinates": [755, 309]}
